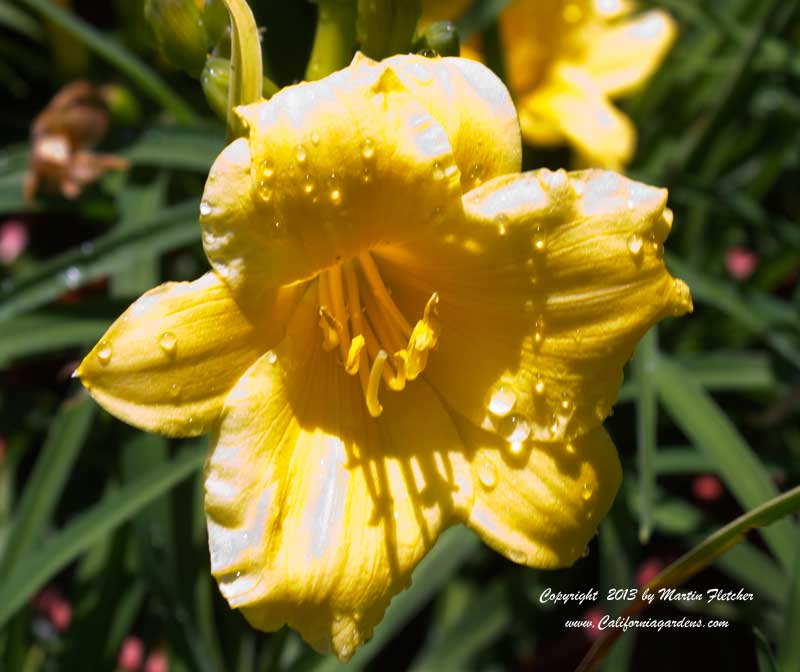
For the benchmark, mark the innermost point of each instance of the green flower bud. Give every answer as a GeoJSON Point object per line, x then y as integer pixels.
{"type": "Point", "coordinates": [386, 27]}
{"type": "Point", "coordinates": [122, 104]}
{"type": "Point", "coordinates": [441, 38]}
{"type": "Point", "coordinates": [180, 31]}
{"type": "Point", "coordinates": [215, 78]}
{"type": "Point", "coordinates": [216, 20]}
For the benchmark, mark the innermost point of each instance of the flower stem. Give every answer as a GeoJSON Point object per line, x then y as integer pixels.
{"type": "Point", "coordinates": [335, 39]}
{"type": "Point", "coordinates": [246, 70]}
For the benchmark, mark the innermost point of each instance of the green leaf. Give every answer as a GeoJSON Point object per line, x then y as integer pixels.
{"type": "Point", "coordinates": [45, 485]}
{"type": "Point", "coordinates": [697, 559]}
{"type": "Point", "coordinates": [646, 429]}
{"type": "Point", "coordinates": [789, 651]}
{"type": "Point", "coordinates": [479, 17]}
{"type": "Point", "coordinates": [107, 254]}
{"type": "Point", "coordinates": [177, 147]}
{"type": "Point", "coordinates": [487, 617]}
{"type": "Point", "coordinates": [116, 55]}
{"type": "Point", "coordinates": [38, 567]}
{"type": "Point", "coordinates": [15, 19]}
{"type": "Point", "coordinates": [696, 413]}
{"type": "Point", "coordinates": [453, 549]}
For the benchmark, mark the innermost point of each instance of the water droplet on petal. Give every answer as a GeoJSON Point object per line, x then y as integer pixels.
{"type": "Point", "coordinates": [635, 244]}
{"type": "Point", "coordinates": [502, 401]}
{"type": "Point", "coordinates": [272, 357]}
{"type": "Point", "coordinates": [174, 391]}
{"type": "Point", "coordinates": [300, 154]}
{"type": "Point", "coordinates": [315, 137]}
{"type": "Point", "coordinates": [539, 241]}
{"type": "Point", "coordinates": [104, 352]}
{"type": "Point", "coordinates": [309, 185]}
{"type": "Point", "coordinates": [515, 428]}
{"type": "Point", "coordinates": [566, 404]}
{"type": "Point", "coordinates": [502, 224]}
{"type": "Point", "coordinates": [586, 493]}
{"type": "Point", "coordinates": [205, 208]}
{"type": "Point", "coordinates": [438, 171]}
{"type": "Point", "coordinates": [367, 149]}
{"type": "Point", "coordinates": [335, 196]}
{"type": "Point", "coordinates": [487, 475]}
{"type": "Point", "coordinates": [168, 342]}
{"type": "Point", "coordinates": [539, 387]}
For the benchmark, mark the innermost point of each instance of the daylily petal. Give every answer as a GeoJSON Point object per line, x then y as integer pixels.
{"type": "Point", "coordinates": [571, 101]}
{"type": "Point", "coordinates": [542, 505]}
{"type": "Point", "coordinates": [167, 364]}
{"type": "Point", "coordinates": [543, 294]}
{"type": "Point", "coordinates": [474, 107]}
{"type": "Point", "coordinates": [317, 513]}
{"type": "Point", "coordinates": [538, 33]}
{"type": "Point", "coordinates": [329, 169]}
{"type": "Point", "coordinates": [622, 56]}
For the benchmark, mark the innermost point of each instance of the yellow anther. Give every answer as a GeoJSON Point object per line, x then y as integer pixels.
{"type": "Point", "coordinates": [376, 373]}
{"type": "Point", "coordinates": [398, 381]}
{"type": "Point", "coordinates": [354, 356]}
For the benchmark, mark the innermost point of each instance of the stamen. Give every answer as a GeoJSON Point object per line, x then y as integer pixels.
{"type": "Point", "coordinates": [354, 355]}
{"type": "Point", "coordinates": [331, 328]}
{"type": "Point", "coordinates": [373, 405]}
{"type": "Point", "coordinates": [380, 344]}
{"type": "Point", "coordinates": [382, 294]}
{"type": "Point", "coordinates": [339, 308]}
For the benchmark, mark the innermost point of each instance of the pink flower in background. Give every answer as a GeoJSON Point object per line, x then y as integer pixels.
{"type": "Point", "coordinates": [157, 662]}
{"type": "Point", "coordinates": [648, 570]}
{"type": "Point", "coordinates": [13, 240]}
{"type": "Point", "coordinates": [740, 262]}
{"type": "Point", "coordinates": [594, 616]}
{"type": "Point", "coordinates": [131, 654]}
{"type": "Point", "coordinates": [54, 607]}
{"type": "Point", "coordinates": [707, 488]}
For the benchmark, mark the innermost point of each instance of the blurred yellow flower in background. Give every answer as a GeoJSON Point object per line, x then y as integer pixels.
{"type": "Point", "coordinates": [400, 332]}
{"type": "Point", "coordinates": [566, 60]}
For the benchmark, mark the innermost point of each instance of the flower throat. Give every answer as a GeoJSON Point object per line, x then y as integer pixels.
{"type": "Point", "coordinates": [377, 343]}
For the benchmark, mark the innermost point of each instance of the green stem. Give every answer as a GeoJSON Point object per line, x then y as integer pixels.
{"type": "Point", "coordinates": [246, 70]}
{"type": "Point", "coordinates": [335, 39]}
{"type": "Point", "coordinates": [118, 56]}
{"type": "Point", "coordinates": [646, 439]}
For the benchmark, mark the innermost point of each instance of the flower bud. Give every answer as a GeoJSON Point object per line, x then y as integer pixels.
{"type": "Point", "coordinates": [180, 31]}
{"type": "Point", "coordinates": [440, 38]}
{"type": "Point", "coordinates": [214, 80]}
{"type": "Point", "coordinates": [216, 20]}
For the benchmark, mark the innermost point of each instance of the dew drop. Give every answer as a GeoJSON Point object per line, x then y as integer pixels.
{"type": "Point", "coordinates": [566, 404]}
{"type": "Point", "coordinates": [586, 493]}
{"type": "Point", "coordinates": [272, 357]}
{"type": "Point", "coordinates": [168, 342]}
{"type": "Point", "coordinates": [570, 448]}
{"type": "Point", "coordinates": [174, 391]}
{"type": "Point", "coordinates": [539, 241]}
{"type": "Point", "coordinates": [366, 174]}
{"type": "Point", "coordinates": [309, 185]}
{"type": "Point", "coordinates": [300, 154]}
{"type": "Point", "coordinates": [502, 224]}
{"type": "Point", "coordinates": [516, 447]}
{"type": "Point", "coordinates": [515, 429]}
{"type": "Point", "coordinates": [104, 353]}
{"type": "Point", "coordinates": [72, 277]}
{"type": "Point", "coordinates": [335, 196]}
{"type": "Point", "coordinates": [205, 208]}
{"type": "Point", "coordinates": [515, 555]}
{"type": "Point", "coordinates": [367, 149]}
{"type": "Point", "coordinates": [475, 174]}
{"type": "Point", "coordinates": [438, 171]}
{"type": "Point", "coordinates": [502, 401]}
{"type": "Point", "coordinates": [539, 387]}
{"type": "Point", "coordinates": [487, 475]}
{"type": "Point", "coordinates": [315, 137]}
{"type": "Point", "coordinates": [635, 244]}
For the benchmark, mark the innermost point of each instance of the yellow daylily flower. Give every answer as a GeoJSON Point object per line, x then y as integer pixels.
{"type": "Point", "coordinates": [566, 60]}
{"type": "Point", "coordinates": [400, 332]}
